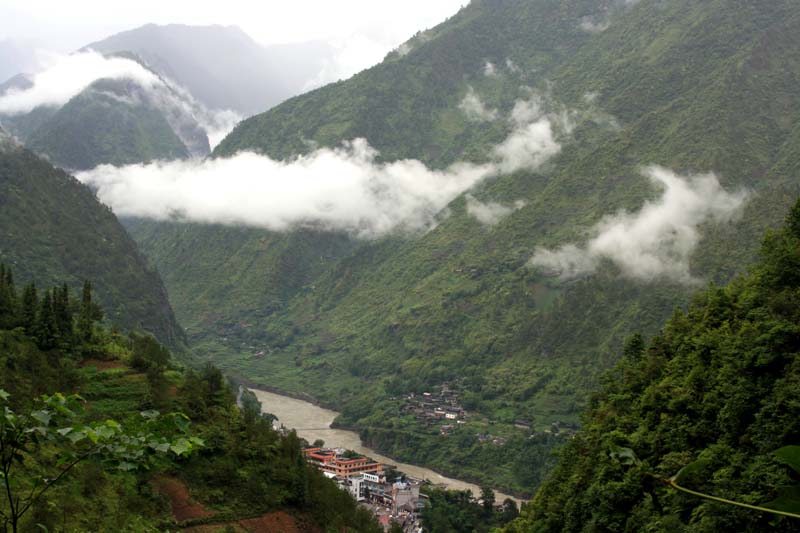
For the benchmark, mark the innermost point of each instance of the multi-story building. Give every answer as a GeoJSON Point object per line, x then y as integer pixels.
{"type": "Point", "coordinates": [404, 493]}
{"type": "Point", "coordinates": [376, 488]}
{"type": "Point", "coordinates": [333, 463]}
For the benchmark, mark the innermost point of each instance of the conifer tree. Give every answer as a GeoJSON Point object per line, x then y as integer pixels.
{"type": "Point", "coordinates": [30, 302]}
{"type": "Point", "coordinates": [63, 314]}
{"type": "Point", "coordinates": [46, 330]}
{"type": "Point", "coordinates": [8, 298]}
{"type": "Point", "coordinates": [88, 314]}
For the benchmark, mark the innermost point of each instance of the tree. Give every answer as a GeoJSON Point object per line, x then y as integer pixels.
{"type": "Point", "coordinates": [88, 314]}
{"type": "Point", "coordinates": [8, 298]}
{"type": "Point", "coordinates": [487, 495]}
{"type": "Point", "coordinates": [29, 441]}
{"type": "Point", "coordinates": [30, 302]}
{"type": "Point", "coordinates": [793, 220]}
{"type": "Point", "coordinates": [45, 328]}
{"type": "Point", "coordinates": [510, 510]}
{"type": "Point", "coordinates": [634, 347]}
{"type": "Point", "coordinates": [63, 315]}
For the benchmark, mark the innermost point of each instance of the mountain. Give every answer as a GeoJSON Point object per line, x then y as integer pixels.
{"type": "Point", "coordinates": [54, 230]}
{"type": "Point", "coordinates": [221, 65]}
{"type": "Point", "coordinates": [709, 400]}
{"type": "Point", "coordinates": [694, 87]}
{"type": "Point", "coordinates": [112, 121]}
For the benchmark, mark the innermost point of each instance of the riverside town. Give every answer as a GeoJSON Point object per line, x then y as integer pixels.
{"type": "Point", "coordinates": [391, 495]}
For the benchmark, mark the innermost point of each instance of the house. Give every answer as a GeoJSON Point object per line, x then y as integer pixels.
{"type": "Point", "coordinates": [522, 423]}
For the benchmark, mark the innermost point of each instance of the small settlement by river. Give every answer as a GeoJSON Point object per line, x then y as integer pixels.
{"type": "Point", "coordinates": [391, 489]}
{"type": "Point", "coordinates": [392, 495]}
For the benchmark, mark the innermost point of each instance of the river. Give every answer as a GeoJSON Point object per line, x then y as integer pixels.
{"type": "Point", "coordinates": [313, 422]}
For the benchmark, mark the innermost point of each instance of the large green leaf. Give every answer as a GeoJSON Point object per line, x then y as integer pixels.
{"type": "Point", "coordinates": [788, 500]}
{"type": "Point", "coordinates": [790, 455]}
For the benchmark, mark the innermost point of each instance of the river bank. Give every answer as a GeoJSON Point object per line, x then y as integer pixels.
{"type": "Point", "coordinates": [312, 422]}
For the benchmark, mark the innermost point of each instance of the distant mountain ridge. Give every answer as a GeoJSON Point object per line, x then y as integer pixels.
{"type": "Point", "coordinates": [207, 71]}
{"type": "Point", "coordinates": [221, 65]}
{"type": "Point", "coordinates": [115, 122]}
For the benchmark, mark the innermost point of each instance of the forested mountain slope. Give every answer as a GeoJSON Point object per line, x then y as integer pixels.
{"type": "Point", "coordinates": [692, 86]}
{"type": "Point", "coordinates": [111, 122]}
{"type": "Point", "coordinates": [713, 396]}
{"type": "Point", "coordinates": [55, 230]}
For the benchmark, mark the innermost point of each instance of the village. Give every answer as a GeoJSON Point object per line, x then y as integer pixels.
{"type": "Point", "coordinates": [432, 408]}
{"type": "Point", "coordinates": [394, 497]}
{"type": "Point", "coordinates": [391, 495]}
{"type": "Point", "coordinates": [441, 409]}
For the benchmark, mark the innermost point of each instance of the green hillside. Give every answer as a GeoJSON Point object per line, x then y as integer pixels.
{"type": "Point", "coordinates": [101, 431]}
{"type": "Point", "coordinates": [110, 123]}
{"type": "Point", "coordinates": [691, 86]}
{"type": "Point", "coordinates": [712, 398]}
{"type": "Point", "coordinates": [55, 230]}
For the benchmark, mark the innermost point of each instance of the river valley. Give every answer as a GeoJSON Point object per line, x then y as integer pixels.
{"type": "Point", "coordinates": [313, 422]}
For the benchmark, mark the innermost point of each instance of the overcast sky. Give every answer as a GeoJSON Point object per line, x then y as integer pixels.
{"type": "Point", "coordinates": [63, 26]}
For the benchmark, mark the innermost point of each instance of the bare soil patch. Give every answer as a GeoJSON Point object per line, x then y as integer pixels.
{"type": "Point", "coordinates": [103, 365]}
{"type": "Point", "coordinates": [279, 522]}
{"type": "Point", "coordinates": [183, 506]}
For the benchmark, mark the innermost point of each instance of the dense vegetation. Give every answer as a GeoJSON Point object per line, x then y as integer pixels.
{"type": "Point", "coordinates": [241, 467]}
{"type": "Point", "coordinates": [456, 511]}
{"type": "Point", "coordinates": [693, 86]}
{"type": "Point", "coordinates": [109, 122]}
{"type": "Point", "coordinates": [55, 230]}
{"type": "Point", "coordinates": [712, 396]}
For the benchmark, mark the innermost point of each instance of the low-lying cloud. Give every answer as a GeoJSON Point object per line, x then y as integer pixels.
{"type": "Point", "coordinates": [490, 213]}
{"type": "Point", "coordinates": [589, 25]}
{"type": "Point", "coordinates": [659, 239]}
{"type": "Point", "coordinates": [68, 75]}
{"type": "Point", "coordinates": [529, 146]}
{"type": "Point", "coordinates": [344, 189]}
{"type": "Point", "coordinates": [474, 108]}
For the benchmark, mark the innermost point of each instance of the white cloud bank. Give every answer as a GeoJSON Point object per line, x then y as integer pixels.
{"type": "Point", "coordinates": [65, 76]}
{"type": "Point", "coordinates": [345, 189]}
{"type": "Point", "coordinates": [658, 240]}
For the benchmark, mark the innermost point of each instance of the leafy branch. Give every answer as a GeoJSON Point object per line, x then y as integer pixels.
{"type": "Point", "coordinates": [789, 455]}
{"type": "Point", "coordinates": [25, 439]}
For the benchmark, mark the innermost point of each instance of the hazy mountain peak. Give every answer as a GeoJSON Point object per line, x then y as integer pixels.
{"type": "Point", "coordinates": [222, 66]}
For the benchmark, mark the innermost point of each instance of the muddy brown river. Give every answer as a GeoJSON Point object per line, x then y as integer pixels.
{"type": "Point", "coordinates": [313, 422]}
